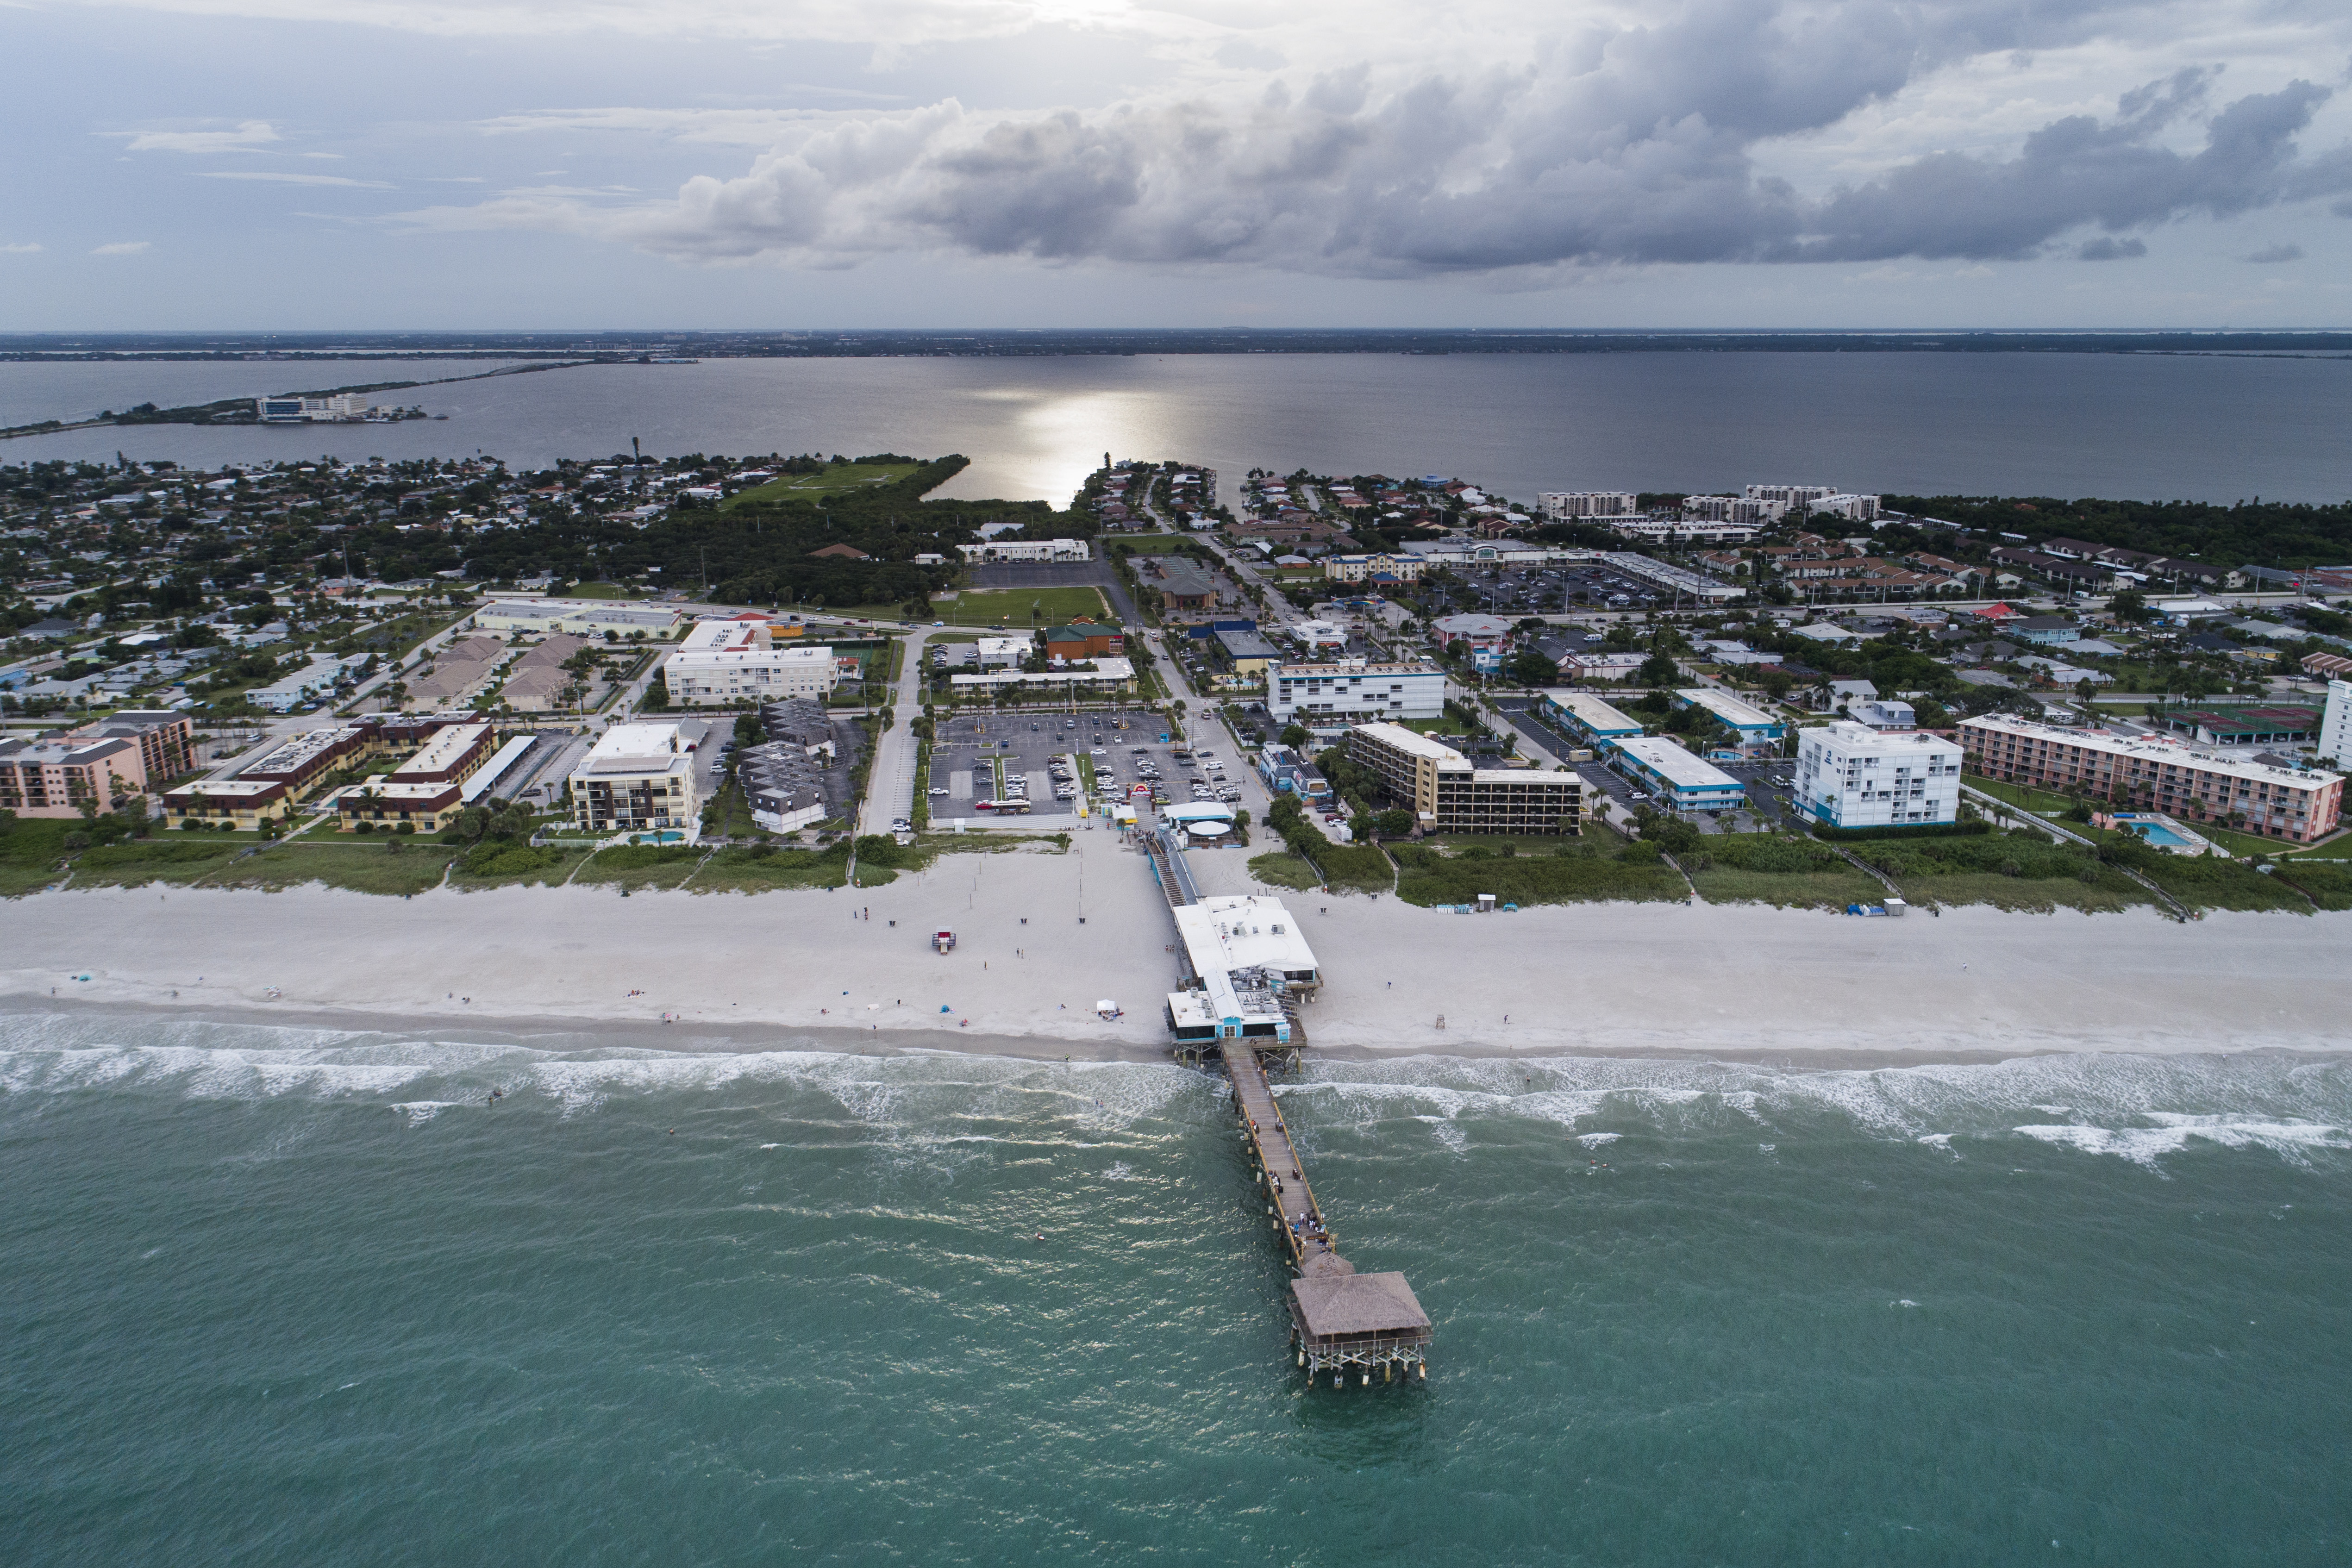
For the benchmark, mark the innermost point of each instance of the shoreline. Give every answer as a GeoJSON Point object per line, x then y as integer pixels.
{"type": "Point", "coordinates": [558, 1033]}
{"type": "Point", "coordinates": [1041, 938]}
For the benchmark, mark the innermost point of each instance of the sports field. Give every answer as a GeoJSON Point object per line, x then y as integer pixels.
{"type": "Point", "coordinates": [1026, 608]}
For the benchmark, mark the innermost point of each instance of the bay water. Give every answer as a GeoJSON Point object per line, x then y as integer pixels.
{"type": "Point", "coordinates": [272, 1296]}
{"type": "Point", "coordinates": [2156, 427]}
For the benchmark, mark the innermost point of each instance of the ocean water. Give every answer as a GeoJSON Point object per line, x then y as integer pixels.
{"type": "Point", "coordinates": [2159, 427]}
{"type": "Point", "coordinates": [281, 1296]}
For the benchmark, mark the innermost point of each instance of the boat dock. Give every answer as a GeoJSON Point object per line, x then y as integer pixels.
{"type": "Point", "coordinates": [1246, 969]}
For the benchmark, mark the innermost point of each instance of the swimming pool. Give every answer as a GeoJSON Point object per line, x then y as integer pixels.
{"type": "Point", "coordinates": [2163, 837]}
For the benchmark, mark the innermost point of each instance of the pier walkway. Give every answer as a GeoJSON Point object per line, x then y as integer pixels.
{"type": "Point", "coordinates": [1340, 1321]}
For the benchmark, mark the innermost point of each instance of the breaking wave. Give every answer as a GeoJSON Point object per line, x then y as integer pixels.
{"type": "Point", "coordinates": [2141, 1109]}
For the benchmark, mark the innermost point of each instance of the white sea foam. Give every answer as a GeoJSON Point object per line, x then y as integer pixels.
{"type": "Point", "coordinates": [2291, 1140]}
{"type": "Point", "coordinates": [2140, 1108]}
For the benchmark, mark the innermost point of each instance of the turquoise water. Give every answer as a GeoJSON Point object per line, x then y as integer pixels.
{"type": "Point", "coordinates": [284, 1297]}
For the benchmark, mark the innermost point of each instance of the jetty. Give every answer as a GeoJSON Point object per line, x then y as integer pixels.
{"type": "Point", "coordinates": [1247, 971]}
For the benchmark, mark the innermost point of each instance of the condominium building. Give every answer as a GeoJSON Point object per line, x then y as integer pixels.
{"type": "Point", "coordinates": [1683, 531]}
{"type": "Point", "coordinates": [227, 802]}
{"type": "Point", "coordinates": [2336, 725]}
{"type": "Point", "coordinates": [56, 778]}
{"type": "Point", "coordinates": [2158, 773]}
{"type": "Point", "coordinates": [1353, 690]}
{"type": "Point", "coordinates": [1685, 782]}
{"type": "Point", "coordinates": [1732, 509]}
{"type": "Point", "coordinates": [1850, 775]}
{"type": "Point", "coordinates": [166, 740]}
{"type": "Point", "coordinates": [426, 792]}
{"type": "Point", "coordinates": [302, 761]}
{"type": "Point", "coordinates": [638, 776]}
{"type": "Point", "coordinates": [1447, 794]}
{"type": "Point", "coordinates": [782, 777]}
{"type": "Point", "coordinates": [1588, 717]}
{"type": "Point", "coordinates": [1799, 496]}
{"type": "Point", "coordinates": [1757, 729]}
{"type": "Point", "coordinates": [1562, 505]}
{"type": "Point", "coordinates": [724, 663]}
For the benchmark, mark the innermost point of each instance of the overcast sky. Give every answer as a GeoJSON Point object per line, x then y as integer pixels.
{"type": "Point", "coordinates": [327, 163]}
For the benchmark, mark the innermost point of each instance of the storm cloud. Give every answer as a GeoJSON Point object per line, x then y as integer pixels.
{"type": "Point", "coordinates": [1634, 144]}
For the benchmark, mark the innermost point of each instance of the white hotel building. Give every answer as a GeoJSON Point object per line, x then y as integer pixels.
{"type": "Point", "coordinates": [1851, 776]}
{"type": "Point", "coordinates": [1349, 692]}
{"type": "Point", "coordinates": [723, 662]}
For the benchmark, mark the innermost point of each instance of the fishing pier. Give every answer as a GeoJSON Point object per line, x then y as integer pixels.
{"type": "Point", "coordinates": [1246, 970]}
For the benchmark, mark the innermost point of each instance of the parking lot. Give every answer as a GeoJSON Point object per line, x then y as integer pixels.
{"type": "Point", "coordinates": [1012, 756]}
{"type": "Point", "coordinates": [1517, 591]}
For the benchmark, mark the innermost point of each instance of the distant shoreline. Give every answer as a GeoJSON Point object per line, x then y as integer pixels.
{"type": "Point", "coordinates": [617, 346]}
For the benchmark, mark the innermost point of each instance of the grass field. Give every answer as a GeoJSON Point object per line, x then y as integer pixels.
{"type": "Point", "coordinates": [1012, 607]}
{"type": "Point", "coordinates": [834, 481]}
{"type": "Point", "coordinates": [597, 590]}
{"type": "Point", "coordinates": [1152, 544]}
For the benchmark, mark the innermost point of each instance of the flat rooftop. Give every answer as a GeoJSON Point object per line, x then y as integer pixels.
{"type": "Point", "coordinates": [302, 750]}
{"type": "Point", "coordinates": [1593, 714]}
{"type": "Point", "coordinates": [1737, 712]}
{"type": "Point", "coordinates": [1326, 672]}
{"type": "Point", "coordinates": [2156, 749]}
{"type": "Point", "coordinates": [1675, 766]}
{"type": "Point", "coordinates": [1412, 742]}
{"type": "Point", "coordinates": [441, 753]}
{"type": "Point", "coordinates": [1244, 932]}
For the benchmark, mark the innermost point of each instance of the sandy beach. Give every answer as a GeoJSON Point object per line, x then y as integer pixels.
{"type": "Point", "coordinates": [1041, 937]}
